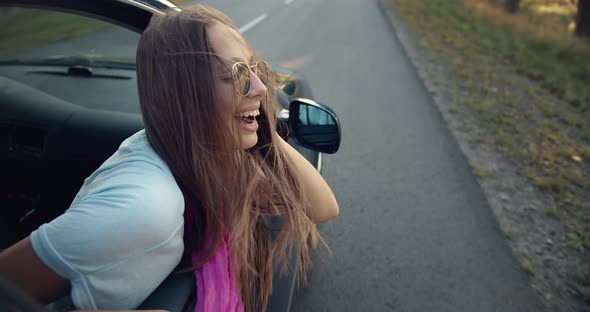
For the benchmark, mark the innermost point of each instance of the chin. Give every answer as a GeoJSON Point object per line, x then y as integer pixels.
{"type": "Point", "coordinates": [249, 141]}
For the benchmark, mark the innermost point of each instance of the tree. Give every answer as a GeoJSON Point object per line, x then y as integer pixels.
{"type": "Point", "coordinates": [583, 19]}
{"type": "Point", "coordinates": [512, 5]}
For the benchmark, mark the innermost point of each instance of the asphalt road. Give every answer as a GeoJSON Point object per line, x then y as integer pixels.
{"type": "Point", "coordinates": [415, 232]}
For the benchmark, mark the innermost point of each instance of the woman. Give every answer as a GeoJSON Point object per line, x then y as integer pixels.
{"type": "Point", "coordinates": [200, 180]}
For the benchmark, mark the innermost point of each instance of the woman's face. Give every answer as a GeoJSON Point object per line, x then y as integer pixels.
{"type": "Point", "coordinates": [231, 47]}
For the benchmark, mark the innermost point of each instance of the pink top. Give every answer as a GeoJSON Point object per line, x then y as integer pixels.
{"type": "Point", "coordinates": [216, 287]}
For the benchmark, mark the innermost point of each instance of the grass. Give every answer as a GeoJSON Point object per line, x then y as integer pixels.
{"type": "Point", "coordinates": [552, 212]}
{"type": "Point", "coordinates": [538, 45]}
{"type": "Point", "coordinates": [41, 28]}
{"type": "Point", "coordinates": [583, 275]}
{"type": "Point", "coordinates": [481, 172]}
{"type": "Point", "coordinates": [541, 45]}
{"type": "Point", "coordinates": [579, 241]}
{"type": "Point", "coordinates": [484, 47]}
{"type": "Point", "coordinates": [548, 183]}
{"type": "Point", "coordinates": [527, 265]}
{"type": "Point", "coordinates": [478, 139]}
{"type": "Point", "coordinates": [25, 28]}
{"type": "Point", "coordinates": [525, 78]}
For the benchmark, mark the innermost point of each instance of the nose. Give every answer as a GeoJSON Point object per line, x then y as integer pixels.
{"type": "Point", "coordinates": [257, 87]}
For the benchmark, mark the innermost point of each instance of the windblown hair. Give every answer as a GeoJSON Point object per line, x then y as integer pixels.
{"type": "Point", "coordinates": [230, 190]}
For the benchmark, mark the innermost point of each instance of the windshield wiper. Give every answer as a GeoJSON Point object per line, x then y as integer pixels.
{"type": "Point", "coordinates": [80, 71]}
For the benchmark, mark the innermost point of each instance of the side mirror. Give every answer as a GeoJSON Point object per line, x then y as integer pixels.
{"type": "Point", "coordinates": [314, 126]}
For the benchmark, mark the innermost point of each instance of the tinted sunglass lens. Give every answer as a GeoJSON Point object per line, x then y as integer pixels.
{"type": "Point", "coordinates": [241, 73]}
{"type": "Point", "coordinates": [263, 71]}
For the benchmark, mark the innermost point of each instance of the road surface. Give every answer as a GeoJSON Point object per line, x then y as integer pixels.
{"type": "Point", "coordinates": [415, 232]}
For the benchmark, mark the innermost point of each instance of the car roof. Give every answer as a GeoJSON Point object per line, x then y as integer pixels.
{"type": "Point", "coordinates": [132, 14]}
{"type": "Point", "coordinates": [158, 4]}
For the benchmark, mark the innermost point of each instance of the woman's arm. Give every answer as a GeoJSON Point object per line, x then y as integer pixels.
{"type": "Point", "coordinates": [21, 265]}
{"type": "Point", "coordinates": [323, 203]}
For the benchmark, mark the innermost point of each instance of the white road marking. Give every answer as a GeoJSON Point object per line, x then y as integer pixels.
{"type": "Point", "coordinates": [287, 2]}
{"type": "Point", "coordinates": [253, 23]}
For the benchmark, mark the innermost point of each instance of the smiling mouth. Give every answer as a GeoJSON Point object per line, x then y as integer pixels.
{"type": "Point", "coordinates": [249, 117]}
{"type": "Point", "coordinates": [248, 120]}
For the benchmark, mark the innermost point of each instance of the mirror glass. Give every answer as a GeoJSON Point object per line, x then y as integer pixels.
{"type": "Point", "coordinates": [316, 126]}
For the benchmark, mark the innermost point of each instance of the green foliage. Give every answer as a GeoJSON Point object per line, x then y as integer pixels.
{"type": "Point", "coordinates": [28, 28]}
{"type": "Point", "coordinates": [551, 212]}
{"type": "Point", "coordinates": [583, 275]}
{"type": "Point", "coordinates": [579, 241]}
{"type": "Point", "coordinates": [548, 183]}
{"type": "Point", "coordinates": [561, 66]}
{"type": "Point", "coordinates": [481, 172]}
{"type": "Point", "coordinates": [527, 265]}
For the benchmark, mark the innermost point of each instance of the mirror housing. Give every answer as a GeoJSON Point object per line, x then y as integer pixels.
{"type": "Point", "coordinates": [313, 125]}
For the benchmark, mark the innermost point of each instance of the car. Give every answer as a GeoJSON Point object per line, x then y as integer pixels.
{"type": "Point", "coordinates": [68, 98]}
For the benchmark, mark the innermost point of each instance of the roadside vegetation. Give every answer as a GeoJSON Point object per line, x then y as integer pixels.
{"type": "Point", "coordinates": [40, 28]}
{"type": "Point", "coordinates": [526, 77]}
{"type": "Point", "coordinates": [43, 27]}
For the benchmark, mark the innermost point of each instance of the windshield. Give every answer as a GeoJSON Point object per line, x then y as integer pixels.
{"type": "Point", "coordinates": [42, 37]}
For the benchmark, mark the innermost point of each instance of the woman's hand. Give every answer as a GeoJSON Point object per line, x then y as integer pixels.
{"type": "Point", "coordinates": [322, 201]}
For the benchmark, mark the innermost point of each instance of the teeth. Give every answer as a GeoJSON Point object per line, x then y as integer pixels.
{"type": "Point", "coordinates": [255, 112]}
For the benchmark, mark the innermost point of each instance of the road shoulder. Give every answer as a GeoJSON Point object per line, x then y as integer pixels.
{"type": "Point", "coordinates": [537, 240]}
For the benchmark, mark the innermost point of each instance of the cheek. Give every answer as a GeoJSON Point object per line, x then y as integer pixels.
{"type": "Point", "coordinates": [225, 97]}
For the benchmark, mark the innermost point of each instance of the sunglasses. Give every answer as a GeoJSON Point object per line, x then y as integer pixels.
{"type": "Point", "coordinates": [241, 75]}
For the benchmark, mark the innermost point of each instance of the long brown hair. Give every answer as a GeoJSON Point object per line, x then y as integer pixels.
{"type": "Point", "coordinates": [229, 191]}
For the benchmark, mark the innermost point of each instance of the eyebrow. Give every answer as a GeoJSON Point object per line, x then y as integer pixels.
{"type": "Point", "coordinates": [239, 59]}
{"type": "Point", "coordinates": [224, 60]}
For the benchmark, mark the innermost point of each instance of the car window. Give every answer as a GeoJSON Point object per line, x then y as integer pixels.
{"type": "Point", "coordinates": [79, 59]}
{"type": "Point", "coordinates": [38, 34]}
